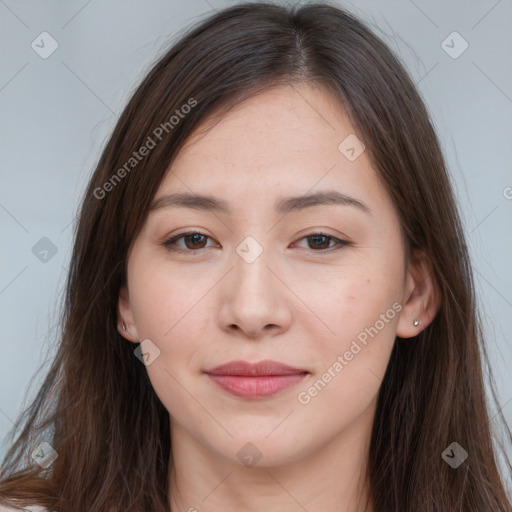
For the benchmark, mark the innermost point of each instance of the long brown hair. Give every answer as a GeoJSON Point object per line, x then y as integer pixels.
{"type": "Point", "coordinates": [97, 408]}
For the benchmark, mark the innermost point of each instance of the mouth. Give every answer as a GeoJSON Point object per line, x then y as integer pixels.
{"type": "Point", "coordinates": [255, 381]}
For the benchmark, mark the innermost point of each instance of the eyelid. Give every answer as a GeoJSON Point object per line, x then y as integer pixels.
{"type": "Point", "coordinates": [168, 242]}
{"type": "Point", "coordinates": [339, 242]}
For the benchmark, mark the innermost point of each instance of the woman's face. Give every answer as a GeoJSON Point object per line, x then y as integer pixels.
{"type": "Point", "coordinates": [318, 284]}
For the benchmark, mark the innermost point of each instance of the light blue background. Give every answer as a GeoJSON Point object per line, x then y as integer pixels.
{"type": "Point", "coordinates": [57, 113]}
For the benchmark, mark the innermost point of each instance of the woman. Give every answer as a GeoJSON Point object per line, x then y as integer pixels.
{"type": "Point", "coordinates": [270, 304]}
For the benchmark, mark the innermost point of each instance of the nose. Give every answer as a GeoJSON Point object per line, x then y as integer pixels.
{"type": "Point", "coordinates": [255, 302]}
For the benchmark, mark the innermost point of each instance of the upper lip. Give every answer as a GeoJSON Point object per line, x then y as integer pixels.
{"type": "Point", "coordinates": [266, 367]}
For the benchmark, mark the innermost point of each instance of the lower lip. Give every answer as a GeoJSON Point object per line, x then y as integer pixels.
{"type": "Point", "coordinates": [256, 387]}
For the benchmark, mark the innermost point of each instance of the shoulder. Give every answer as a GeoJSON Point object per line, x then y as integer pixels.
{"type": "Point", "coordinates": [31, 508]}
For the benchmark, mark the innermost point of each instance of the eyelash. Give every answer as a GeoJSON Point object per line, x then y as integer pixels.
{"type": "Point", "coordinates": [169, 242]}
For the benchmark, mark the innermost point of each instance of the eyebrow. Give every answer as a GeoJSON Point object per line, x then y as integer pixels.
{"type": "Point", "coordinates": [283, 206]}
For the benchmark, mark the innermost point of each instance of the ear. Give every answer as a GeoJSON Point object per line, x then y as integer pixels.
{"type": "Point", "coordinates": [421, 299]}
{"type": "Point", "coordinates": [124, 315]}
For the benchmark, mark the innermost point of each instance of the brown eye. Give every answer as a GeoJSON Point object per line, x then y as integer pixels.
{"type": "Point", "coordinates": [193, 241]}
{"type": "Point", "coordinates": [319, 242]}
{"type": "Point", "coordinates": [196, 241]}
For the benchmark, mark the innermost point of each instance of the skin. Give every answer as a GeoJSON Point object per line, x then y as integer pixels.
{"type": "Point", "coordinates": [292, 304]}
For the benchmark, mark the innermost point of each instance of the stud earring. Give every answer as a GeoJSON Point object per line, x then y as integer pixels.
{"type": "Point", "coordinates": [123, 326]}
{"type": "Point", "coordinates": [416, 323]}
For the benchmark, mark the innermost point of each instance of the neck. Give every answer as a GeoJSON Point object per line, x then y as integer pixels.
{"type": "Point", "coordinates": [331, 478]}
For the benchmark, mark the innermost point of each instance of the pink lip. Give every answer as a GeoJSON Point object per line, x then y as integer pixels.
{"type": "Point", "coordinates": [259, 380]}
{"type": "Point", "coordinates": [243, 368]}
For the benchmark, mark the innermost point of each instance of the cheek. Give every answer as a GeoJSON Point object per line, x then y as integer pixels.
{"type": "Point", "coordinates": [361, 309]}
{"type": "Point", "coordinates": [347, 303]}
{"type": "Point", "coordinates": [170, 314]}
{"type": "Point", "coordinates": [352, 362]}
{"type": "Point", "coordinates": [165, 305]}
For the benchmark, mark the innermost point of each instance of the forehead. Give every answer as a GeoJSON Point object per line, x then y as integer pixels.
{"type": "Point", "coordinates": [299, 119]}
{"type": "Point", "coordinates": [284, 140]}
